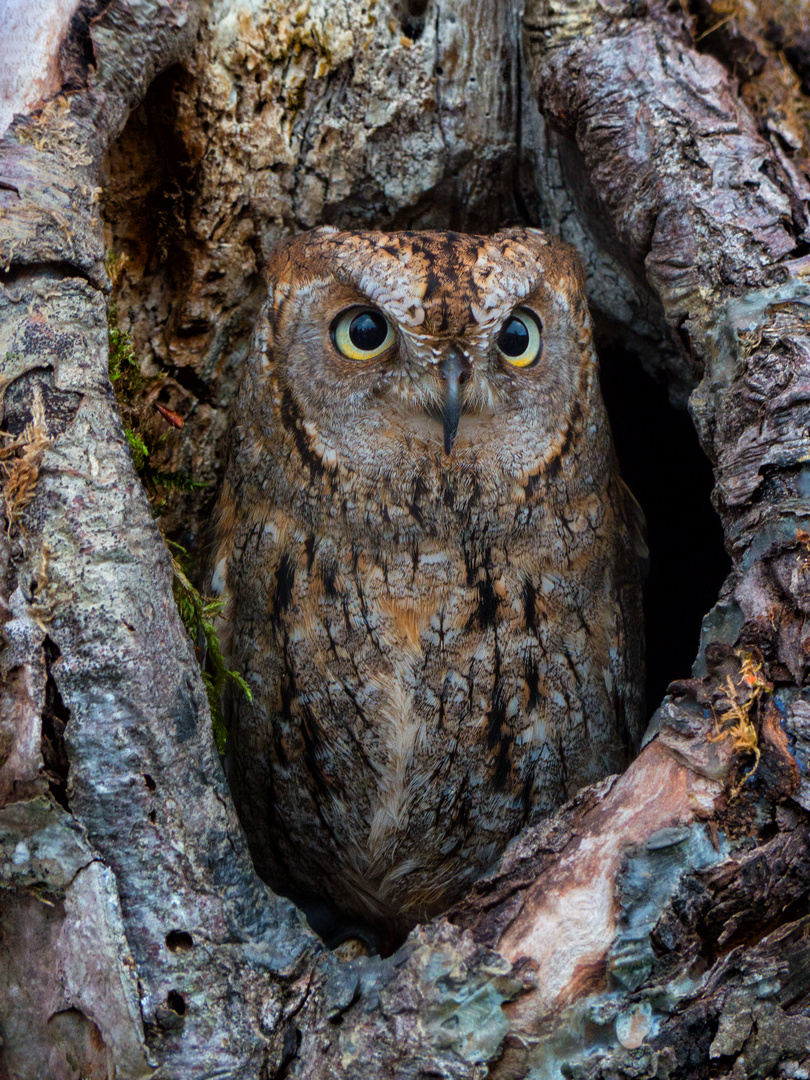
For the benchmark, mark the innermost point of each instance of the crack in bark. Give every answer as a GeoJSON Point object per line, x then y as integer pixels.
{"type": "Point", "coordinates": [55, 718]}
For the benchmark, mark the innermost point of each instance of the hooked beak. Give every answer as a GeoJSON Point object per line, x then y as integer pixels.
{"type": "Point", "coordinates": [454, 371]}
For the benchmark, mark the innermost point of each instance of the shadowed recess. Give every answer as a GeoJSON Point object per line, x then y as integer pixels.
{"type": "Point", "coordinates": [669, 474]}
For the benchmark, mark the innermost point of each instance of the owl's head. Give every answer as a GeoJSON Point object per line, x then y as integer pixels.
{"type": "Point", "coordinates": [430, 350]}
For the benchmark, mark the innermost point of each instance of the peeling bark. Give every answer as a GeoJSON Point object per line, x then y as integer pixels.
{"type": "Point", "coordinates": [657, 925]}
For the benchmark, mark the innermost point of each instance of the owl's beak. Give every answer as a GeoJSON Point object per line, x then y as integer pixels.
{"type": "Point", "coordinates": [454, 371]}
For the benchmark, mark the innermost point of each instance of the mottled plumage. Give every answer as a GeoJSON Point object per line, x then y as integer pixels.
{"type": "Point", "coordinates": [441, 628]}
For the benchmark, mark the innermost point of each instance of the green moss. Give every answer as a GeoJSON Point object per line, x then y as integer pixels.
{"type": "Point", "coordinates": [140, 451]}
{"type": "Point", "coordinates": [175, 481]}
{"type": "Point", "coordinates": [135, 394]}
{"type": "Point", "coordinates": [129, 384]}
{"type": "Point", "coordinates": [122, 363]}
{"type": "Point", "coordinates": [198, 613]}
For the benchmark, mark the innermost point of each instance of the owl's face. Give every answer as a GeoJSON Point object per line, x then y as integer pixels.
{"type": "Point", "coordinates": [468, 354]}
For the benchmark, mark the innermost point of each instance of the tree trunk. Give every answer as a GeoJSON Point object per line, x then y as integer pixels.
{"type": "Point", "coordinates": [657, 926]}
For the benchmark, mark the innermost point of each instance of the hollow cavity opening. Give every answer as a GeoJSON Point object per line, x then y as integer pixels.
{"type": "Point", "coordinates": [665, 468]}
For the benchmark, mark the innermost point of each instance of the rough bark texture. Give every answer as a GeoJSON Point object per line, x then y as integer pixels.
{"type": "Point", "coordinates": [658, 925]}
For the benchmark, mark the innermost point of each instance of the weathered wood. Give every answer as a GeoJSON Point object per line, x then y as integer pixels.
{"type": "Point", "coordinates": [144, 859]}
{"type": "Point", "coordinates": [657, 925]}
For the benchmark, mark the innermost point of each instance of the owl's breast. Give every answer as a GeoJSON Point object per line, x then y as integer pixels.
{"type": "Point", "coordinates": [415, 709]}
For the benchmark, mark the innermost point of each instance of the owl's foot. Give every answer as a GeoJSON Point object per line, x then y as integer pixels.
{"type": "Point", "coordinates": [353, 948]}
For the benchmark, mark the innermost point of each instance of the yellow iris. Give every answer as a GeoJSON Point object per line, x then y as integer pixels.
{"type": "Point", "coordinates": [519, 341]}
{"type": "Point", "coordinates": [362, 333]}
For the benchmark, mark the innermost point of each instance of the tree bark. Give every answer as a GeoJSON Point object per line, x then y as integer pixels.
{"type": "Point", "coordinates": [657, 925]}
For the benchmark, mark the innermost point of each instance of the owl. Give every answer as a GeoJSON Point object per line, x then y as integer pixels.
{"type": "Point", "coordinates": [430, 565]}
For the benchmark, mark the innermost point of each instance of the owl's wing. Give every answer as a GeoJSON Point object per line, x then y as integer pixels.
{"type": "Point", "coordinates": [632, 564]}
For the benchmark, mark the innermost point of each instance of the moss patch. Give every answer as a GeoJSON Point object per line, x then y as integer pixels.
{"type": "Point", "coordinates": [198, 613]}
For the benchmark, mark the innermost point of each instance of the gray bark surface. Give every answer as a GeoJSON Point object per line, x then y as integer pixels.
{"type": "Point", "coordinates": [657, 926]}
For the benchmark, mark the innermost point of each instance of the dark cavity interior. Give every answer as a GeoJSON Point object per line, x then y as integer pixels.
{"type": "Point", "coordinates": [665, 468]}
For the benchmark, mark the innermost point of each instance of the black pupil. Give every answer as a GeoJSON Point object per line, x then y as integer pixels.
{"type": "Point", "coordinates": [514, 339]}
{"type": "Point", "coordinates": [368, 331]}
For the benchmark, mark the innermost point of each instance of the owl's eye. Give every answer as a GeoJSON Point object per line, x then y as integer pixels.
{"type": "Point", "coordinates": [519, 341]}
{"type": "Point", "coordinates": [362, 333]}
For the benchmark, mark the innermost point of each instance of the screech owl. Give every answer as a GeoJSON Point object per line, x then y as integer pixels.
{"type": "Point", "coordinates": [431, 565]}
